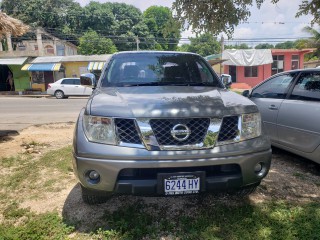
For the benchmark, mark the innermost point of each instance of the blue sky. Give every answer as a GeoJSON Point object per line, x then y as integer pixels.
{"type": "Point", "coordinates": [271, 21]}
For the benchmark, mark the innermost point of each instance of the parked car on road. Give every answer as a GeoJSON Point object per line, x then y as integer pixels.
{"type": "Point", "coordinates": [289, 103]}
{"type": "Point", "coordinates": [162, 123]}
{"type": "Point", "coordinates": [66, 87]}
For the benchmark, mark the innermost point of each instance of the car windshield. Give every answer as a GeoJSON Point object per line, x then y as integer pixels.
{"type": "Point", "coordinates": [153, 69]}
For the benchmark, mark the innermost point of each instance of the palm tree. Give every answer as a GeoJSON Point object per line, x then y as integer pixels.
{"type": "Point", "coordinates": [315, 39]}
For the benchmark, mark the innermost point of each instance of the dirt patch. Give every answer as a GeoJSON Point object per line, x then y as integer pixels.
{"type": "Point", "coordinates": [45, 137]}
{"type": "Point", "coordinates": [35, 141]}
{"type": "Point", "coordinates": [291, 178]}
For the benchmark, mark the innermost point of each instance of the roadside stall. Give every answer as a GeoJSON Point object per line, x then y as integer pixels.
{"type": "Point", "coordinates": [44, 72]}
{"type": "Point", "coordinates": [12, 78]}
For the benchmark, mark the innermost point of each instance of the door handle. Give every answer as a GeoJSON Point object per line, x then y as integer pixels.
{"type": "Point", "coordinates": [273, 107]}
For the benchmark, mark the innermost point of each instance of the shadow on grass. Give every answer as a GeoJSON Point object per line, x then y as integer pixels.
{"type": "Point", "coordinates": [7, 134]}
{"type": "Point", "coordinates": [192, 217]}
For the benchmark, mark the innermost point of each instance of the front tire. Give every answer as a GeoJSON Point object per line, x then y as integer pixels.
{"type": "Point", "coordinates": [93, 197]}
{"type": "Point", "coordinates": [59, 94]}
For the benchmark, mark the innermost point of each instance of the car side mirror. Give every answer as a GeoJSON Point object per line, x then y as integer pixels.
{"type": "Point", "coordinates": [246, 93]}
{"type": "Point", "coordinates": [226, 80]}
{"type": "Point", "coordinates": [88, 79]}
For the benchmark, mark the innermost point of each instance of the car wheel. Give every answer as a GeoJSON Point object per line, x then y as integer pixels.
{"type": "Point", "coordinates": [93, 197]}
{"type": "Point", "coordinates": [59, 94]}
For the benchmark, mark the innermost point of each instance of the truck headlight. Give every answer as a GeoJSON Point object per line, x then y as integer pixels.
{"type": "Point", "coordinates": [99, 129]}
{"type": "Point", "coordinates": [250, 126]}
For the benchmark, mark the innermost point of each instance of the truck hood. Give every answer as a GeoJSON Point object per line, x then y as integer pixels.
{"type": "Point", "coordinates": [167, 101]}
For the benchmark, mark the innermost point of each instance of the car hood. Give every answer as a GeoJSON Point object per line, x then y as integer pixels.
{"type": "Point", "coordinates": [167, 101]}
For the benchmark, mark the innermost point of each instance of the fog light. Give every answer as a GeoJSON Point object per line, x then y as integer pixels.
{"type": "Point", "coordinates": [94, 175]}
{"type": "Point", "coordinates": [258, 168]}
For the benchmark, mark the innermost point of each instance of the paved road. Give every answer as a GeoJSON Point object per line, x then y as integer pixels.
{"type": "Point", "coordinates": [17, 113]}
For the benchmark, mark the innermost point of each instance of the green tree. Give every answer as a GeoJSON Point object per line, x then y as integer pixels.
{"type": "Point", "coordinates": [285, 45]}
{"type": "Point", "coordinates": [129, 28]}
{"type": "Point", "coordinates": [92, 43]}
{"type": "Point", "coordinates": [302, 43]}
{"type": "Point", "coordinates": [43, 13]}
{"type": "Point", "coordinates": [310, 7]}
{"type": "Point", "coordinates": [205, 45]}
{"type": "Point", "coordinates": [58, 17]}
{"type": "Point", "coordinates": [98, 17]}
{"type": "Point", "coordinates": [238, 46]}
{"type": "Point", "coordinates": [264, 46]}
{"type": "Point", "coordinates": [163, 26]}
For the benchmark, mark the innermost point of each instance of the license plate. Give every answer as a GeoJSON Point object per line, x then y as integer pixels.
{"type": "Point", "coordinates": [177, 184]}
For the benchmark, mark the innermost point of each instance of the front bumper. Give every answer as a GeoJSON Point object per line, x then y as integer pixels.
{"type": "Point", "coordinates": [111, 180]}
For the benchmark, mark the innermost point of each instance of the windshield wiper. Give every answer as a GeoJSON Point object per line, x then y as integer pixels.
{"type": "Point", "coordinates": [165, 84]}
{"type": "Point", "coordinates": [200, 84]}
{"type": "Point", "coordinates": [138, 84]}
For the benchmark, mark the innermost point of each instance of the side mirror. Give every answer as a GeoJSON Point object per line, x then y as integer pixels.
{"type": "Point", "coordinates": [88, 79]}
{"type": "Point", "coordinates": [246, 93]}
{"type": "Point", "coordinates": [226, 80]}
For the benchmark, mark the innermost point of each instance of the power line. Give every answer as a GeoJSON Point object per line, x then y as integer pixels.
{"type": "Point", "coordinates": [275, 22]}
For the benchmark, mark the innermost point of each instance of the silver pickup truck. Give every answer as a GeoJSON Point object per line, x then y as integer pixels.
{"type": "Point", "coordinates": [162, 123]}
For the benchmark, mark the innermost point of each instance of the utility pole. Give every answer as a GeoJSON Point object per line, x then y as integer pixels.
{"type": "Point", "coordinates": [222, 49]}
{"type": "Point", "coordinates": [137, 41]}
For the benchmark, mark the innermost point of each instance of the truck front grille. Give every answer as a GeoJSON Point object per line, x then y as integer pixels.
{"type": "Point", "coordinates": [127, 131]}
{"type": "Point", "coordinates": [229, 129]}
{"type": "Point", "coordinates": [162, 130]}
{"type": "Point", "coordinates": [130, 132]}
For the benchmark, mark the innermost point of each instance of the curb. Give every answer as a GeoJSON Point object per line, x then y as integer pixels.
{"type": "Point", "coordinates": [26, 95]}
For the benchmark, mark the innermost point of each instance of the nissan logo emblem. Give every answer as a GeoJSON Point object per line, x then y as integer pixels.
{"type": "Point", "coordinates": [180, 132]}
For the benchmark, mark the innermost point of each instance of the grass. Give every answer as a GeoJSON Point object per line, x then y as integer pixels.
{"type": "Point", "coordinates": [36, 226]}
{"type": "Point", "coordinates": [274, 220]}
{"type": "Point", "coordinates": [200, 219]}
{"type": "Point", "coordinates": [25, 169]}
{"type": "Point", "coordinates": [299, 175]}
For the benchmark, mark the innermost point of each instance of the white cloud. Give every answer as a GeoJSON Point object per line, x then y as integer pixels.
{"type": "Point", "coordinates": [243, 32]}
{"type": "Point", "coordinates": [277, 20]}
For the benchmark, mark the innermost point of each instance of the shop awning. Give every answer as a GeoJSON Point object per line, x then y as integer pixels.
{"type": "Point", "coordinates": [13, 61]}
{"type": "Point", "coordinates": [45, 67]}
{"type": "Point", "coordinates": [95, 66]}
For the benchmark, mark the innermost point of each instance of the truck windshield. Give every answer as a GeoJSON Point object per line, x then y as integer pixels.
{"type": "Point", "coordinates": [148, 69]}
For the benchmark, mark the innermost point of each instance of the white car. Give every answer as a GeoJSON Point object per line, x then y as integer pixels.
{"type": "Point", "coordinates": [65, 87]}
